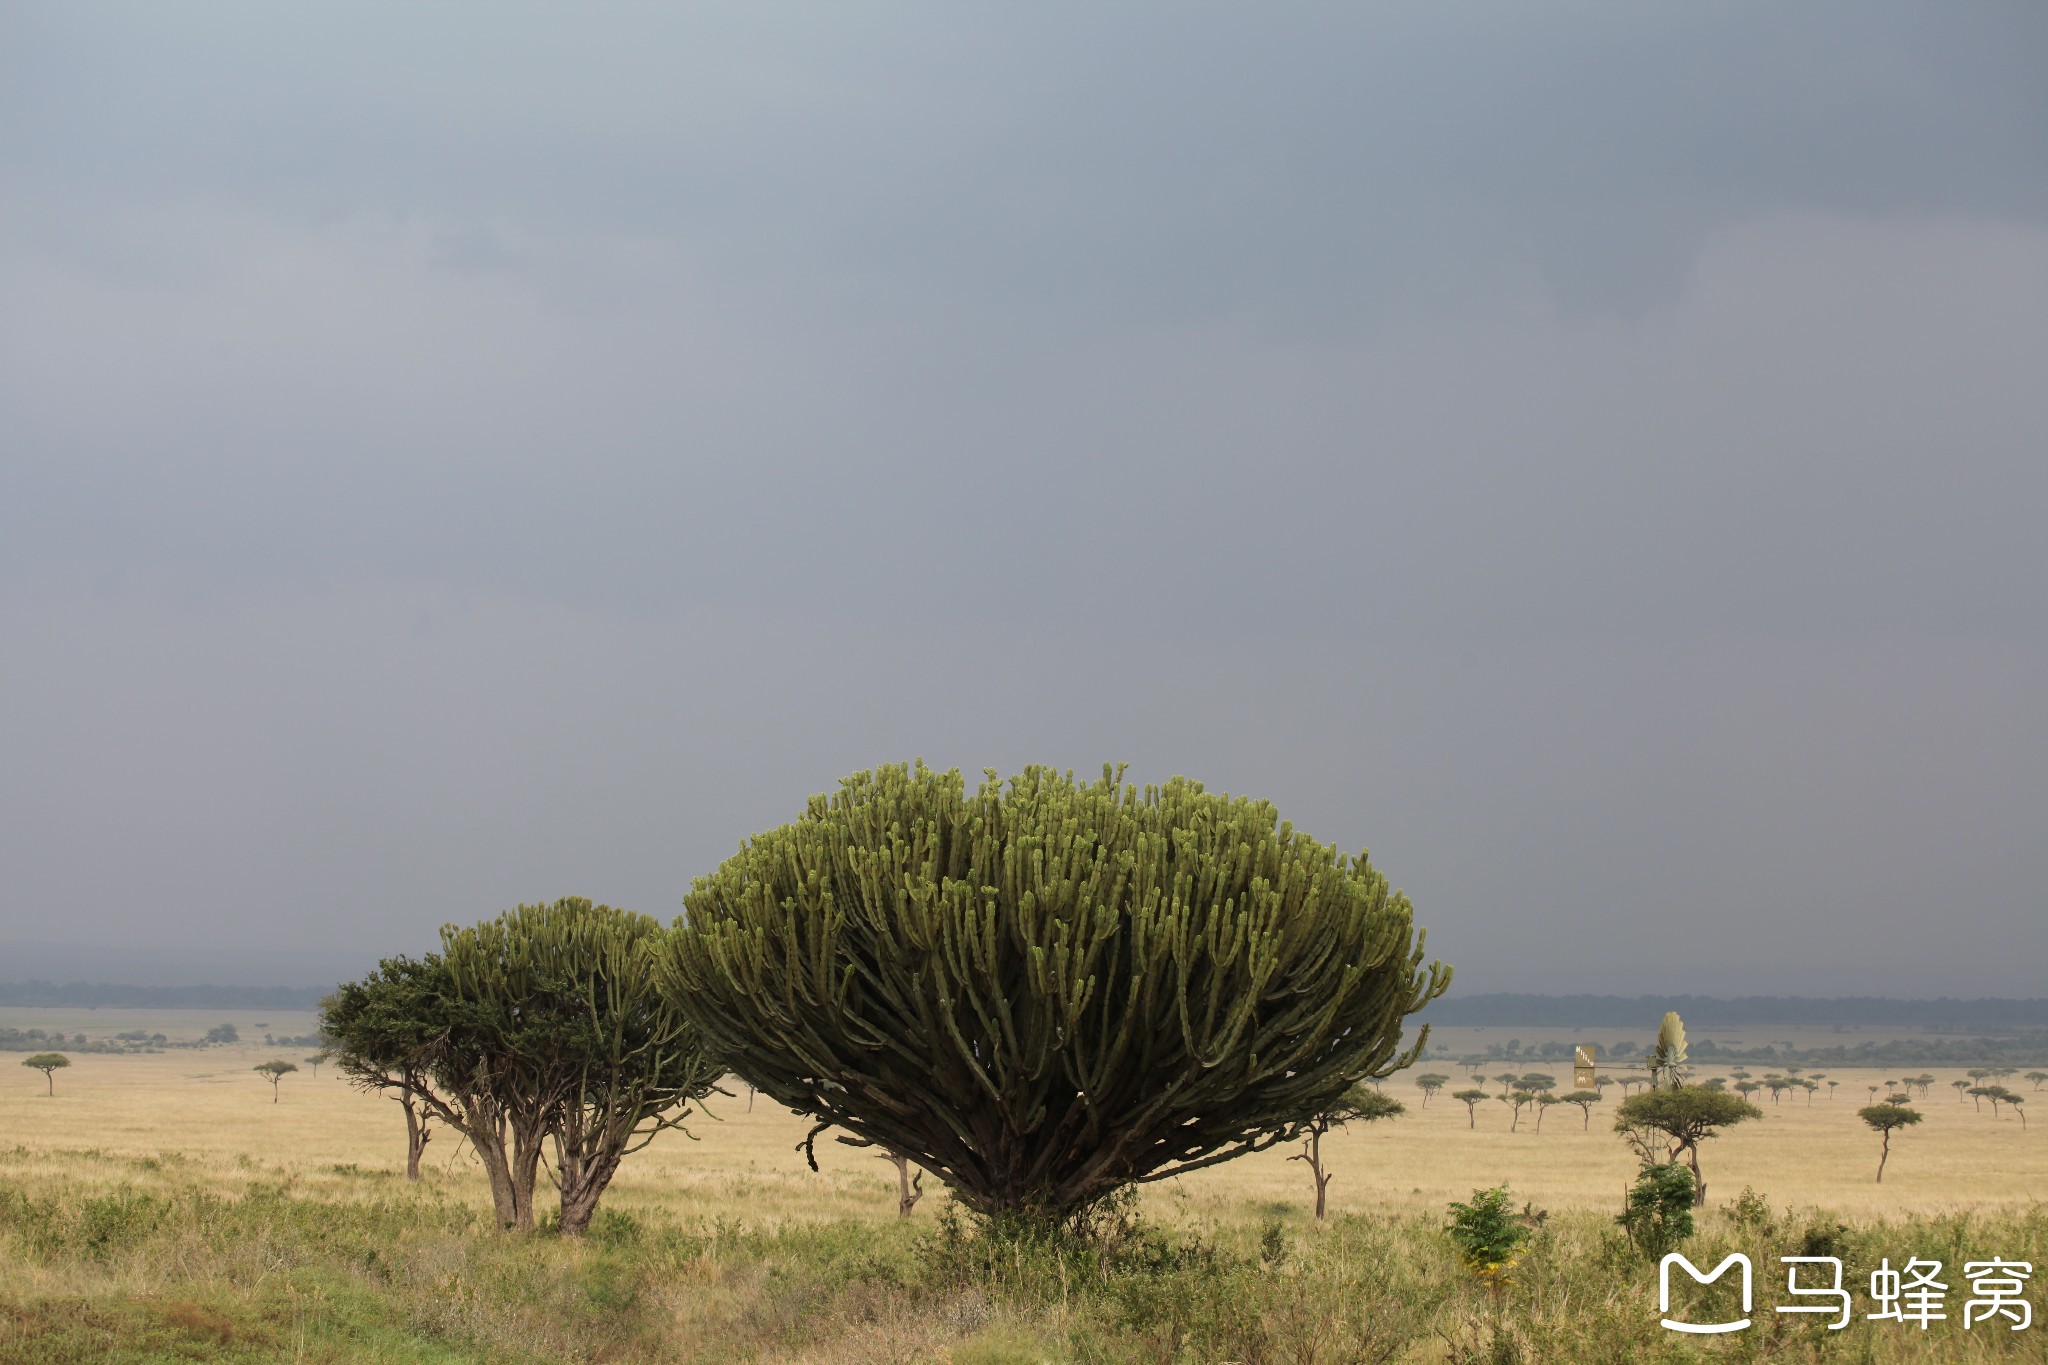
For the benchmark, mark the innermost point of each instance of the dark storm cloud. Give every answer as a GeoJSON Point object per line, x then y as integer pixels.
{"type": "Point", "coordinates": [1591, 454]}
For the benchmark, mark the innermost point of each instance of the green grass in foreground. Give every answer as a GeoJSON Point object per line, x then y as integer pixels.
{"type": "Point", "coordinates": [165, 1270]}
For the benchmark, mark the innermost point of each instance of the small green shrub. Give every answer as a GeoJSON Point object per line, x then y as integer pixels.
{"type": "Point", "coordinates": [1658, 1217]}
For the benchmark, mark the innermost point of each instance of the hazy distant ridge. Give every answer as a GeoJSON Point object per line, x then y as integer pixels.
{"type": "Point", "coordinates": [1567, 1011]}
{"type": "Point", "coordinates": [1704, 1012]}
{"type": "Point", "coordinates": [85, 995]}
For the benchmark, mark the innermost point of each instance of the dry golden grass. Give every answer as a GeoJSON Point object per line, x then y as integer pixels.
{"type": "Point", "coordinates": [162, 1207]}
{"type": "Point", "coordinates": [210, 1109]}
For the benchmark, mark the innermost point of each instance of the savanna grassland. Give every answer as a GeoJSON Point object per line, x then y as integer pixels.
{"type": "Point", "coordinates": [161, 1207]}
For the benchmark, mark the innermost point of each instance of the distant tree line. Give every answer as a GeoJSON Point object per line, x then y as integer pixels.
{"type": "Point", "coordinates": [130, 1040]}
{"type": "Point", "coordinates": [1944, 1015]}
{"type": "Point", "coordinates": [101, 995]}
{"type": "Point", "coordinates": [2028, 1049]}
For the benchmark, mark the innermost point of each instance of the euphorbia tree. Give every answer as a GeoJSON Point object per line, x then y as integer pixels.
{"type": "Point", "coordinates": [586, 1050]}
{"type": "Point", "coordinates": [1043, 991]}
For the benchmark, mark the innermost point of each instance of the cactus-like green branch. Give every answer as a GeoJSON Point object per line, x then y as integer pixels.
{"type": "Point", "coordinates": [1044, 990]}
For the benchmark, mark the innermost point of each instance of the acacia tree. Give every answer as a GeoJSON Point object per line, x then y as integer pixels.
{"type": "Point", "coordinates": [1045, 991]}
{"type": "Point", "coordinates": [1678, 1121]}
{"type": "Point", "coordinates": [1429, 1083]}
{"type": "Point", "coordinates": [1518, 1100]}
{"type": "Point", "coordinates": [274, 1071]}
{"type": "Point", "coordinates": [49, 1063]}
{"type": "Point", "coordinates": [2037, 1077]}
{"type": "Point", "coordinates": [1884, 1119]}
{"type": "Point", "coordinates": [1585, 1099]}
{"type": "Point", "coordinates": [393, 1032]}
{"type": "Point", "coordinates": [1471, 1099]}
{"type": "Point", "coordinates": [586, 1050]}
{"type": "Point", "coordinates": [1361, 1104]}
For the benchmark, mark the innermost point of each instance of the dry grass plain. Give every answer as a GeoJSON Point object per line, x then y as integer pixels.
{"type": "Point", "coordinates": [209, 1108]}
{"type": "Point", "coordinates": [756, 1260]}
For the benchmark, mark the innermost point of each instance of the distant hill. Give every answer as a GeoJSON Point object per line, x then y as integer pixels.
{"type": "Point", "coordinates": [101, 995]}
{"type": "Point", "coordinates": [1943, 1015]}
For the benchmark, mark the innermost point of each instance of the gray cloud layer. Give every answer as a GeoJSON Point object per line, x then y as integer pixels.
{"type": "Point", "coordinates": [1593, 457]}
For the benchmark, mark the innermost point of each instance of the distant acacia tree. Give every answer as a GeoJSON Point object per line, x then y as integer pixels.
{"type": "Point", "coordinates": [1537, 1082]}
{"type": "Point", "coordinates": [1678, 1121]}
{"type": "Point", "coordinates": [1544, 1103]}
{"type": "Point", "coordinates": [1585, 1099]}
{"type": "Point", "coordinates": [1809, 1086]}
{"type": "Point", "coordinates": [274, 1071]}
{"type": "Point", "coordinates": [1748, 1088]}
{"type": "Point", "coordinates": [1507, 1081]}
{"type": "Point", "coordinates": [49, 1063]}
{"type": "Point", "coordinates": [1831, 1088]}
{"type": "Point", "coordinates": [1429, 1083]}
{"type": "Point", "coordinates": [1360, 1104]}
{"type": "Point", "coordinates": [1777, 1085]}
{"type": "Point", "coordinates": [1884, 1120]}
{"type": "Point", "coordinates": [1962, 1089]}
{"type": "Point", "coordinates": [315, 1060]}
{"type": "Point", "coordinates": [1520, 1100]}
{"type": "Point", "coordinates": [222, 1034]}
{"type": "Point", "coordinates": [1471, 1099]}
{"type": "Point", "coordinates": [1979, 1093]}
{"type": "Point", "coordinates": [2038, 1078]}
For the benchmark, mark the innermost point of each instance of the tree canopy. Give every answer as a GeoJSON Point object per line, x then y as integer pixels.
{"type": "Point", "coordinates": [49, 1063]}
{"type": "Point", "coordinates": [1884, 1120]}
{"type": "Point", "coordinates": [1043, 991]}
{"type": "Point", "coordinates": [1680, 1120]}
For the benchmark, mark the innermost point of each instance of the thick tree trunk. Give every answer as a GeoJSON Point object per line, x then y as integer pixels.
{"type": "Point", "coordinates": [490, 1150]}
{"type": "Point", "coordinates": [525, 1171]}
{"type": "Point", "coordinates": [908, 1192]}
{"type": "Point", "coordinates": [583, 1184]}
{"type": "Point", "coordinates": [416, 1135]}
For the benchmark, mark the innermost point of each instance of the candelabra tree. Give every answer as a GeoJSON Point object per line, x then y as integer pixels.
{"type": "Point", "coordinates": [1045, 990]}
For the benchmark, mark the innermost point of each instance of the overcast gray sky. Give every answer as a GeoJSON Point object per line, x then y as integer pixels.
{"type": "Point", "coordinates": [1595, 456]}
